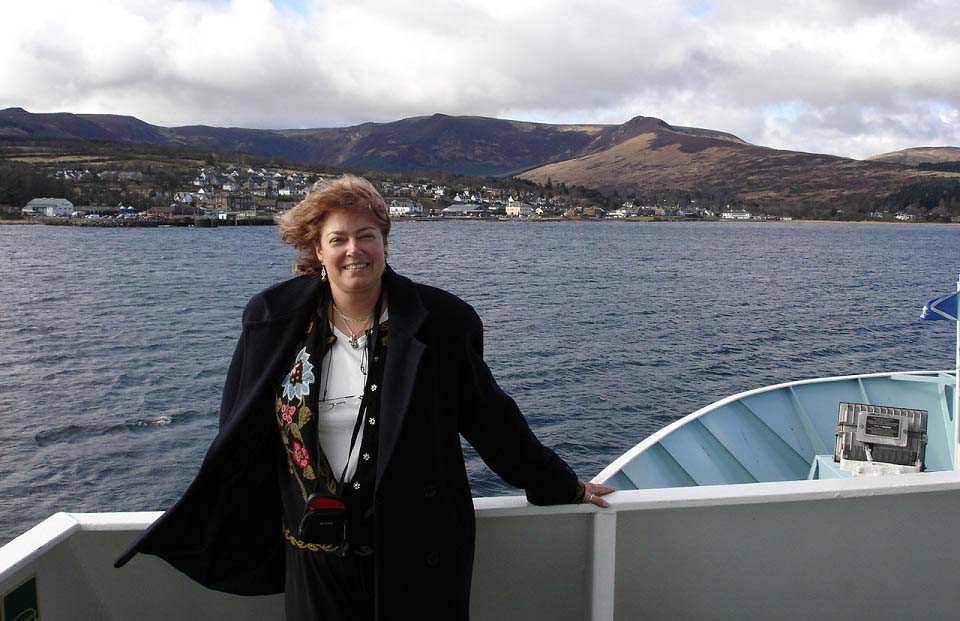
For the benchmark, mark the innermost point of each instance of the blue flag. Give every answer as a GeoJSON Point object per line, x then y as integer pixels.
{"type": "Point", "coordinates": [942, 307]}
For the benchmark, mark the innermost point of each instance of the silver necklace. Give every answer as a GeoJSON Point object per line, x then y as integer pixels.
{"type": "Point", "coordinates": [354, 337]}
{"type": "Point", "coordinates": [345, 318]}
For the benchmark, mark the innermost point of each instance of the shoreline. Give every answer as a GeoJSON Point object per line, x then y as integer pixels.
{"type": "Point", "coordinates": [171, 223]}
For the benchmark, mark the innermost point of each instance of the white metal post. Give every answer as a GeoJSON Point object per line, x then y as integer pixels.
{"type": "Point", "coordinates": [604, 567]}
{"type": "Point", "coordinates": [956, 395]}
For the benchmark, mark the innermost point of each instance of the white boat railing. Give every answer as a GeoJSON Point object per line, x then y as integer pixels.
{"type": "Point", "coordinates": [764, 550]}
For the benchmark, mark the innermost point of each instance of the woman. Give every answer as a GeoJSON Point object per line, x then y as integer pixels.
{"type": "Point", "coordinates": [338, 474]}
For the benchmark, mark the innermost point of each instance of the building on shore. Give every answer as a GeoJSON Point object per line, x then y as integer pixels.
{"type": "Point", "coordinates": [624, 212]}
{"type": "Point", "coordinates": [738, 214]}
{"type": "Point", "coordinates": [50, 207]}
{"type": "Point", "coordinates": [405, 208]}
{"type": "Point", "coordinates": [232, 201]}
{"type": "Point", "coordinates": [517, 209]}
{"type": "Point", "coordinates": [465, 210]}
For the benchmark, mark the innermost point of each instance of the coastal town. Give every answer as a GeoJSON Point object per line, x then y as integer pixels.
{"type": "Point", "coordinates": [216, 194]}
{"type": "Point", "coordinates": [234, 195]}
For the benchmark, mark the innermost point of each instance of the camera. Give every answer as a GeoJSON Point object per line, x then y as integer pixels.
{"type": "Point", "coordinates": [324, 520]}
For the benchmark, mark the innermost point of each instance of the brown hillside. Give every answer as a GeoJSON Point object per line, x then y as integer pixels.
{"type": "Point", "coordinates": [663, 157]}
{"type": "Point", "coordinates": [919, 155]}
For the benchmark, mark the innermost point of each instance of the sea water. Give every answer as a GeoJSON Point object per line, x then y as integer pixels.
{"type": "Point", "coordinates": [114, 343]}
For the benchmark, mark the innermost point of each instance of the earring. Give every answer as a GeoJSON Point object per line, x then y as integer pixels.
{"type": "Point", "coordinates": [323, 273]}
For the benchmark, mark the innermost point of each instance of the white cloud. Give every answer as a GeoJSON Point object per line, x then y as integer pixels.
{"type": "Point", "coordinates": [852, 78]}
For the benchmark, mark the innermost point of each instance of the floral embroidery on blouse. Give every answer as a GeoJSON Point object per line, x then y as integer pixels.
{"type": "Point", "coordinates": [300, 455]}
{"type": "Point", "coordinates": [292, 420]}
{"type": "Point", "coordinates": [297, 383]}
{"type": "Point", "coordinates": [293, 414]}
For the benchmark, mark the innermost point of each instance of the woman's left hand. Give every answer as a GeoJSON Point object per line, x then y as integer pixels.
{"type": "Point", "coordinates": [593, 494]}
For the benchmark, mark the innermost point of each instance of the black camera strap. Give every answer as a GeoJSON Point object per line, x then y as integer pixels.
{"type": "Point", "coordinates": [372, 345]}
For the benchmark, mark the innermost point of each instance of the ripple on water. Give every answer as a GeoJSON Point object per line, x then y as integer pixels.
{"type": "Point", "coordinates": [72, 434]}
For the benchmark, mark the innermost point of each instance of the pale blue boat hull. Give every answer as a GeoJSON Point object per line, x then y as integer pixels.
{"type": "Point", "coordinates": [776, 433]}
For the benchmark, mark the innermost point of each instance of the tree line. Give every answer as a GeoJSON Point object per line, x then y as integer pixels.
{"type": "Point", "coordinates": [20, 182]}
{"type": "Point", "coordinates": [939, 197]}
{"type": "Point", "coordinates": [942, 166]}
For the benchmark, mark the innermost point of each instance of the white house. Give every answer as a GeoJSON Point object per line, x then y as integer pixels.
{"type": "Point", "coordinates": [405, 208]}
{"type": "Point", "coordinates": [735, 215]}
{"type": "Point", "coordinates": [466, 210]}
{"type": "Point", "coordinates": [465, 197]}
{"type": "Point", "coordinates": [624, 212]}
{"type": "Point", "coordinates": [51, 207]}
{"type": "Point", "coordinates": [518, 209]}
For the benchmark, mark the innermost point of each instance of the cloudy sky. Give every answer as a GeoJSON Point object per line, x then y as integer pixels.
{"type": "Point", "coordinates": [848, 77]}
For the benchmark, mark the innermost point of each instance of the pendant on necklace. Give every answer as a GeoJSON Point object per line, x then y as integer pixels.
{"type": "Point", "coordinates": [353, 342]}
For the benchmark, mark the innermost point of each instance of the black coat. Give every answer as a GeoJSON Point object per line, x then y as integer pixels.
{"type": "Point", "coordinates": [225, 532]}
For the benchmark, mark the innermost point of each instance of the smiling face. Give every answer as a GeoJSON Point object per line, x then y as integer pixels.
{"type": "Point", "coordinates": [353, 250]}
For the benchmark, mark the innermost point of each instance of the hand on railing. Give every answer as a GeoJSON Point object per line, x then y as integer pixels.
{"type": "Point", "coordinates": [593, 494]}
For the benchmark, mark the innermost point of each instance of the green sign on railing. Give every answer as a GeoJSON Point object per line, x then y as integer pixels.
{"type": "Point", "coordinates": [20, 604]}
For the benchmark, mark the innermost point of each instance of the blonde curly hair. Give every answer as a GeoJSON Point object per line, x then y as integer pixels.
{"type": "Point", "coordinates": [300, 227]}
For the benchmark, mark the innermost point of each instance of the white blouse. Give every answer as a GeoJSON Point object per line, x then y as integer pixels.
{"type": "Point", "coordinates": [337, 414]}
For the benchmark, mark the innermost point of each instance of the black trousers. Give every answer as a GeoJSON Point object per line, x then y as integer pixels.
{"type": "Point", "coordinates": [328, 587]}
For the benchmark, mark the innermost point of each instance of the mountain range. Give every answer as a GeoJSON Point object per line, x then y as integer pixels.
{"type": "Point", "coordinates": [642, 155]}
